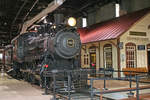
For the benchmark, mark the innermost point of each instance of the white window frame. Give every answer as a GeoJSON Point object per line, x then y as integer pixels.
{"type": "Point", "coordinates": [84, 22]}
{"type": "Point", "coordinates": [131, 55]}
{"type": "Point", "coordinates": [117, 8]}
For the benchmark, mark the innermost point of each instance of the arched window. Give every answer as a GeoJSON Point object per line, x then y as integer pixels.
{"type": "Point", "coordinates": [108, 55]}
{"type": "Point", "coordinates": [130, 55]}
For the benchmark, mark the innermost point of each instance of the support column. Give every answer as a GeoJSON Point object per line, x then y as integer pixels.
{"type": "Point", "coordinates": [118, 57]}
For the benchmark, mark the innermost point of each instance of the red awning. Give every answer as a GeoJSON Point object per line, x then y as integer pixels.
{"type": "Point", "coordinates": [110, 29]}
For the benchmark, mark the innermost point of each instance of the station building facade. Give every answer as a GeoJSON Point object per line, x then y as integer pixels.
{"type": "Point", "coordinates": [121, 43]}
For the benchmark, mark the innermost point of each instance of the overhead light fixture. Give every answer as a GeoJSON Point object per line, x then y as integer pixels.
{"type": "Point", "coordinates": [72, 21]}
{"type": "Point", "coordinates": [1, 55]}
{"type": "Point", "coordinates": [59, 2]}
{"type": "Point", "coordinates": [35, 28]}
{"type": "Point", "coordinates": [50, 23]}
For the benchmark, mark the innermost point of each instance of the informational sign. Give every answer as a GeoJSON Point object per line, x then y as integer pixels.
{"type": "Point", "coordinates": [141, 47]}
{"type": "Point", "coordinates": [120, 45]}
{"type": "Point", "coordinates": [137, 33]}
{"type": "Point", "coordinates": [122, 57]}
{"type": "Point", "coordinates": [137, 39]}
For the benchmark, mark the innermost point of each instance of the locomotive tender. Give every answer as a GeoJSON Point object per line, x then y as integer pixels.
{"type": "Point", "coordinates": [50, 48]}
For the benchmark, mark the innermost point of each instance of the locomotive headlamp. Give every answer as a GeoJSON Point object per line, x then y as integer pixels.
{"type": "Point", "coordinates": [72, 21]}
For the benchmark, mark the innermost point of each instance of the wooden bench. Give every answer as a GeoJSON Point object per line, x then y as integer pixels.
{"type": "Point", "coordinates": [134, 71]}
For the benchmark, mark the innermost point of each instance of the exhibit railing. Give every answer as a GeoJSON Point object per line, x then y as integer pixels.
{"type": "Point", "coordinates": [82, 81]}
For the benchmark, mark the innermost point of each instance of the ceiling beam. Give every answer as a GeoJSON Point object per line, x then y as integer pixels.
{"type": "Point", "coordinates": [51, 7]}
{"type": "Point", "coordinates": [4, 39]}
{"type": "Point", "coordinates": [18, 13]}
{"type": "Point", "coordinates": [30, 9]}
{"type": "Point", "coordinates": [22, 6]}
{"type": "Point", "coordinates": [3, 32]}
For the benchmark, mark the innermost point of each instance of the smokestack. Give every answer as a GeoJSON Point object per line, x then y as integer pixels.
{"type": "Point", "coordinates": [59, 18]}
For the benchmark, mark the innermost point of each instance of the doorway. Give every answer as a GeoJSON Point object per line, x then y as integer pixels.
{"type": "Point", "coordinates": [93, 64]}
{"type": "Point", "coordinates": [92, 51]}
{"type": "Point", "coordinates": [108, 56]}
{"type": "Point", "coordinates": [148, 57]}
{"type": "Point", "coordinates": [93, 58]}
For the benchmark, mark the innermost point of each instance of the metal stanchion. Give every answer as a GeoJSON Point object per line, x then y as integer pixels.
{"type": "Point", "coordinates": [69, 85]}
{"type": "Point", "coordinates": [130, 81]}
{"type": "Point", "coordinates": [105, 80]}
{"type": "Point", "coordinates": [45, 84]}
{"type": "Point", "coordinates": [130, 85]}
{"type": "Point", "coordinates": [101, 94]}
{"type": "Point", "coordinates": [137, 88]}
{"type": "Point", "coordinates": [2, 72]}
{"type": "Point", "coordinates": [46, 90]}
{"type": "Point", "coordinates": [54, 87]}
{"type": "Point", "coordinates": [91, 83]}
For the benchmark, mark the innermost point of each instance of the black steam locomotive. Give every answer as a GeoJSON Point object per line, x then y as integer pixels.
{"type": "Point", "coordinates": [50, 48]}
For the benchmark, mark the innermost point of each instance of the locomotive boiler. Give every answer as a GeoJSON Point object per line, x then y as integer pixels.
{"type": "Point", "coordinates": [50, 48]}
{"type": "Point", "coordinates": [61, 44]}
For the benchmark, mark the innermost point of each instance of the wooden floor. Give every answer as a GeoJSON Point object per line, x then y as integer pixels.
{"type": "Point", "coordinates": [142, 97]}
{"type": "Point", "coordinates": [12, 89]}
{"type": "Point", "coordinates": [116, 94]}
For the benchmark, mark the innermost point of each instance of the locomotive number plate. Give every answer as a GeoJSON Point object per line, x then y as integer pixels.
{"type": "Point", "coordinates": [70, 43]}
